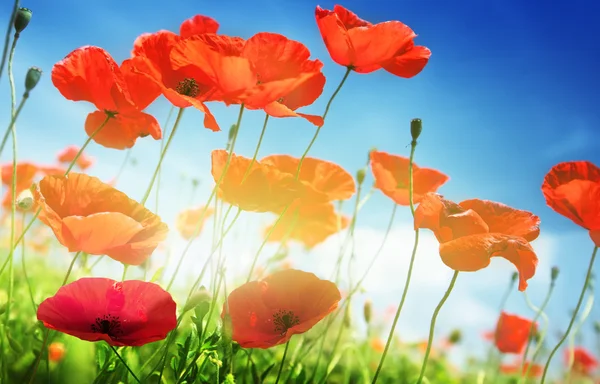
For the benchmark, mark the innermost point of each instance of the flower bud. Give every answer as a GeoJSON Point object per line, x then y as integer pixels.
{"type": "Point", "coordinates": [200, 296]}
{"type": "Point", "coordinates": [514, 277]}
{"type": "Point", "coordinates": [232, 132]}
{"type": "Point", "coordinates": [416, 126]}
{"type": "Point", "coordinates": [195, 183]}
{"type": "Point", "coordinates": [597, 327]}
{"type": "Point", "coordinates": [368, 311]}
{"type": "Point", "coordinates": [455, 337]}
{"type": "Point", "coordinates": [33, 77]}
{"type": "Point", "coordinates": [25, 200]}
{"type": "Point", "coordinates": [554, 273]}
{"type": "Point", "coordinates": [360, 176]}
{"type": "Point", "coordinates": [22, 19]}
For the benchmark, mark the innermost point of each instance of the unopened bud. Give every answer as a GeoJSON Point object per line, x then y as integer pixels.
{"type": "Point", "coordinates": [22, 19]}
{"type": "Point", "coordinates": [360, 176]}
{"type": "Point", "coordinates": [33, 77]}
{"type": "Point", "coordinates": [514, 277]}
{"type": "Point", "coordinates": [597, 327]}
{"type": "Point", "coordinates": [25, 200]}
{"type": "Point", "coordinates": [416, 126]}
{"type": "Point", "coordinates": [232, 132]}
{"type": "Point", "coordinates": [195, 183]}
{"type": "Point", "coordinates": [368, 311]}
{"type": "Point", "coordinates": [229, 379]}
{"type": "Point", "coordinates": [554, 273]}
{"type": "Point", "coordinates": [197, 298]}
{"type": "Point", "coordinates": [455, 336]}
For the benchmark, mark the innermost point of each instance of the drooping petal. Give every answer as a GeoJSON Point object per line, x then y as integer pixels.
{"type": "Point", "coordinates": [277, 109]}
{"type": "Point", "coordinates": [410, 62]}
{"type": "Point", "coordinates": [474, 252]}
{"type": "Point", "coordinates": [123, 130]}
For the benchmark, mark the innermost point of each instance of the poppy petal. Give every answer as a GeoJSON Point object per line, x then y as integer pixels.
{"type": "Point", "coordinates": [90, 74]}
{"type": "Point", "coordinates": [595, 236]}
{"type": "Point", "coordinates": [122, 131]}
{"type": "Point", "coordinates": [197, 25]}
{"type": "Point", "coordinates": [409, 63]}
{"type": "Point", "coordinates": [472, 253]}
{"type": "Point", "coordinates": [501, 218]}
{"type": "Point", "coordinates": [277, 109]}
{"type": "Point", "coordinates": [335, 36]}
{"type": "Point", "coordinates": [142, 90]}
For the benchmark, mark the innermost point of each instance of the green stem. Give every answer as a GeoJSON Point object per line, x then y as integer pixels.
{"type": "Point", "coordinates": [125, 267]}
{"type": "Point", "coordinates": [571, 348]}
{"type": "Point", "coordinates": [11, 22]}
{"type": "Point", "coordinates": [260, 139]}
{"type": "Point", "coordinates": [162, 146]}
{"type": "Point", "coordinates": [562, 340]}
{"type": "Point", "coordinates": [337, 90]}
{"type": "Point", "coordinates": [24, 265]}
{"type": "Point", "coordinates": [432, 325]}
{"type": "Point", "coordinates": [285, 351]}
{"type": "Point", "coordinates": [123, 165]}
{"type": "Point", "coordinates": [532, 331]}
{"type": "Point", "coordinates": [87, 142]}
{"type": "Point", "coordinates": [162, 156]}
{"type": "Point", "coordinates": [257, 254]}
{"type": "Point", "coordinates": [124, 363]}
{"type": "Point", "coordinates": [413, 146]}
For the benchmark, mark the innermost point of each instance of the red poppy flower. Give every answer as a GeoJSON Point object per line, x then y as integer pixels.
{"type": "Point", "coordinates": [365, 47]}
{"type": "Point", "coordinates": [90, 74]}
{"type": "Point", "coordinates": [265, 188]}
{"type": "Point", "coordinates": [392, 178]}
{"type": "Point", "coordinates": [512, 333]}
{"type": "Point", "coordinates": [535, 370]}
{"type": "Point", "coordinates": [573, 190]}
{"type": "Point", "coordinates": [88, 215]}
{"type": "Point", "coordinates": [198, 25]}
{"type": "Point", "coordinates": [265, 69]}
{"type": "Point", "coordinates": [327, 179]}
{"type": "Point", "coordinates": [189, 220]}
{"type": "Point", "coordinates": [268, 312]}
{"type": "Point", "coordinates": [583, 361]}
{"type": "Point", "coordinates": [128, 313]}
{"type": "Point", "coordinates": [68, 154]}
{"type": "Point", "coordinates": [308, 224]}
{"type": "Point", "coordinates": [472, 232]}
{"type": "Point", "coordinates": [183, 87]}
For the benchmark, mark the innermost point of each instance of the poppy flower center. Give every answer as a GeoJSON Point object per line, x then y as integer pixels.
{"type": "Point", "coordinates": [111, 114]}
{"type": "Point", "coordinates": [187, 87]}
{"type": "Point", "coordinates": [108, 325]}
{"type": "Point", "coordinates": [284, 320]}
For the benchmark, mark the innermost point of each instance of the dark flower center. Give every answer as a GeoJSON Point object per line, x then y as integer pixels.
{"type": "Point", "coordinates": [187, 87]}
{"type": "Point", "coordinates": [111, 114]}
{"type": "Point", "coordinates": [284, 320]}
{"type": "Point", "coordinates": [109, 325]}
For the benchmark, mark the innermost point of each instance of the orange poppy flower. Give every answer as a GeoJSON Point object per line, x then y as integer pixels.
{"type": "Point", "coordinates": [268, 312]}
{"type": "Point", "coordinates": [308, 224]}
{"type": "Point", "coordinates": [68, 154]}
{"type": "Point", "coordinates": [188, 220]}
{"type": "Point", "coordinates": [265, 189]}
{"type": "Point", "coordinates": [583, 361]}
{"type": "Point", "coordinates": [327, 179]}
{"type": "Point", "coordinates": [512, 333]}
{"type": "Point", "coordinates": [26, 173]}
{"type": "Point", "coordinates": [573, 190]}
{"type": "Point", "coordinates": [88, 215]}
{"type": "Point", "coordinates": [472, 232]}
{"type": "Point", "coordinates": [90, 74]}
{"type": "Point", "coordinates": [512, 369]}
{"type": "Point", "coordinates": [365, 47]}
{"type": "Point", "coordinates": [56, 351]}
{"type": "Point", "coordinates": [392, 178]}
{"type": "Point", "coordinates": [377, 344]}
{"type": "Point", "coordinates": [243, 72]}
{"type": "Point", "coordinates": [198, 25]}
{"type": "Point", "coordinates": [52, 170]}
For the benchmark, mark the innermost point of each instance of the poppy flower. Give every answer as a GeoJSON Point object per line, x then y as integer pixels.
{"type": "Point", "coordinates": [26, 173]}
{"type": "Point", "coordinates": [68, 154]}
{"type": "Point", "coordinates": [188, 221]}
{"type": "Point", "coordinates": [266, 69]}
{"type": "Point", "coordinates": [534, 370]}
{"type": "Point", "coordinates": [472, 232]}
{"type": "Point", "coordinates": [392, 177]}
{"type": "Point", "coordinates": [127, 313]}
{"type": "Point", "coordinates": [198, 25]}
{"type": "Point", "coordinates": [53, 170]}
{"type": "Point", "coordinates": [583, 361]}
{"type": "Point", "coordinates": [327, 179]}
{"type": "Point", "coordinates": [90, 216]}
{"type": "Point", "coordinates": [512, 333]}
{"type": "Point", "coordinates": [90, 74]}
{"type": "Point", "coordinates": [365, 47]}
{"type": "Point", "coordinates": [56, 351]}
{"type": "Point", "coordinates": [308, 224]}
{"type": "Point", "coordinates": [265, 188]}
{"type": "Point", "coordinates": [573, 190]}
{"type": "Point", "coordinates": [268, 312]}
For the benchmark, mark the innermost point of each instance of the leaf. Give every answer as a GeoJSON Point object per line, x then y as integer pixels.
{"type": "Point", "coordinates": [157, 275]}
{"type": "Point", "coordinates": [266, 373]}
{"type": "Point", "coordinates": [14, 344]}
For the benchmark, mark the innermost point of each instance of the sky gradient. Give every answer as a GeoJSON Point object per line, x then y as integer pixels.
{"type": "Point", "coordinates": [511, 89]}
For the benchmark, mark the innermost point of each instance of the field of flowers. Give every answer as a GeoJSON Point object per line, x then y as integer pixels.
{"type": "Point", "coordinates": [277, 323]}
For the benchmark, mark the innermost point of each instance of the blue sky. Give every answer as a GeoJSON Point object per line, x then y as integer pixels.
{"type": "Point", "coordinates": [511, 89]}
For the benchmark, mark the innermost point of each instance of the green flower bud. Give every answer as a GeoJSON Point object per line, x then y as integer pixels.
{"type": "Point", "coordinates": [455, 336]}
{"type": "Point", "coordinates": [25, 200]}
{"type": "Point", "coordinates": [416, 126]}
{"type": "Point", "coordinates": [197, 298]}
{"type": "Point", "coordinates": [33, 77]}
{"type": "Point", "coordinates": [368, 311]}
{"type": "Point", "coordinates": [554, 273]}
{"type": "Point", "coordinates": [360, 176]}
{"type": "Point", "coordinates": [514, 277]}
{"type": "Point", "coordinates": [597, 326]}
{"type": "Point", "coordinates": [22, 19]}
